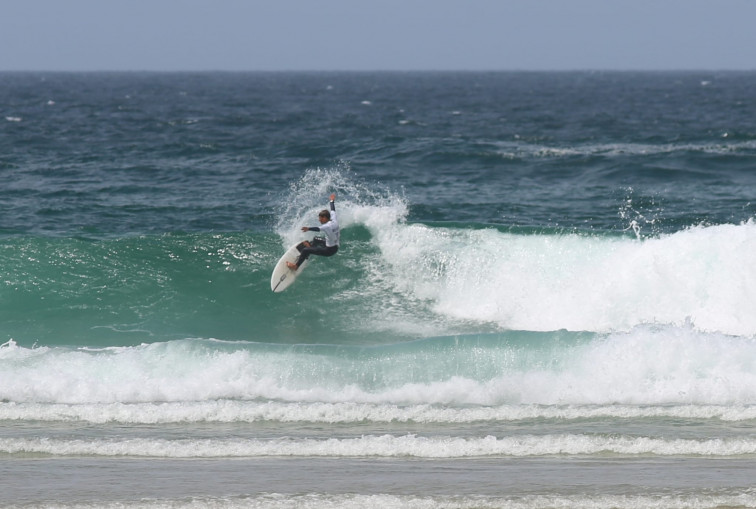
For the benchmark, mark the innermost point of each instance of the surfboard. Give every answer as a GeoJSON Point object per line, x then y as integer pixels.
{"type": "Point", "coordinates": [283, 276]}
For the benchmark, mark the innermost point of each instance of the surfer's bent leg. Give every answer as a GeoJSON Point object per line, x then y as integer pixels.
{"type": "Point", "coordinates": [318, 249]}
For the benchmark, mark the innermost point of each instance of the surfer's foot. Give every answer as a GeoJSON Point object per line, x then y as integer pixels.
{"type": "Point", "coordinates": [292, 266]}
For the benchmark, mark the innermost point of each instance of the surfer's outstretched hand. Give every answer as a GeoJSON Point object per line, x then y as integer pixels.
{"type": "Point", "coordinates": [333, 196]}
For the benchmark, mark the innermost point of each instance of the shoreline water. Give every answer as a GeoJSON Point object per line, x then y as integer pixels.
{"type": "Point", "coordinates": [499, 482]}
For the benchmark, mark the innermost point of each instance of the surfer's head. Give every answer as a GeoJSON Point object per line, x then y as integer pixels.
{"type": "Point", "coordinates": [324, 216]}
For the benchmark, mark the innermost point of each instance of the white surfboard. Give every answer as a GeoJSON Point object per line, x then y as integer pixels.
{"type": "Point", "coordinates": [283, 276]}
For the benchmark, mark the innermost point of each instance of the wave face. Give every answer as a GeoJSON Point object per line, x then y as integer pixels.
{"type": "Point", "coordinates": [393, 280]}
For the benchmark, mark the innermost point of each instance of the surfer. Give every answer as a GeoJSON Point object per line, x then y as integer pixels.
{"type": "Point", "coordinates": [327, 246]}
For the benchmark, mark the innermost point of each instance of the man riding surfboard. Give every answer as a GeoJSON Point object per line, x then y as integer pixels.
{"type": "Point", "coordinates": [327, 246]}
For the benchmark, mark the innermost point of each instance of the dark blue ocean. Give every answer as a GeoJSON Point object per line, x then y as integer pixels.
{"type": "Point", "coordinates": [545, 294]}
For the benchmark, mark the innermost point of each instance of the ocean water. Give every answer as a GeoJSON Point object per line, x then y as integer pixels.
{"type": "Point", "coordinates": [545, 295]}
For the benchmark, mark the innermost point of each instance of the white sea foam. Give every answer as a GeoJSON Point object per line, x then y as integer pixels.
{"type": "Point", "coordinates": [705, 500]}
{"type": "Point", "coordinates": [389, 446]}
{"type": "Point", "coordinates": [232, 411]}
{"type": "Point", "coordinates": [697, 500]}
{"type": "Point", "coordinates": [703, 277]}
{"type": "Point", "coordinates": [647, 366]}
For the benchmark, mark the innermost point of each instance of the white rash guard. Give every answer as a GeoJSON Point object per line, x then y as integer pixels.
{"type": "Point", "coordinates": [331, 229]}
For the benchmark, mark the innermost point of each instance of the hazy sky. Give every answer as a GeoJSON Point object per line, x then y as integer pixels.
{"type": "Point", "coordinates": [167, 35]}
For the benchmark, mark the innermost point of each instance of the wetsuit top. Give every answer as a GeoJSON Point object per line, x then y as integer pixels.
{"type": "Point", "coordinates": [331, 229]}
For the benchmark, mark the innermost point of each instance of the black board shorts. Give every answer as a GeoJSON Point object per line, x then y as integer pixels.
{"type": "Point", "coordinates": [317, 248]}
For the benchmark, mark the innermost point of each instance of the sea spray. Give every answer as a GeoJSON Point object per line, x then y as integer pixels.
{"type": "Point", "coordinates": [358, 202]}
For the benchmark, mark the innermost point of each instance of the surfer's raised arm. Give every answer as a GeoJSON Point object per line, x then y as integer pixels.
{"type": "Point", "coordinates": [332, 216]}
{"type": "Point", "coordinates": [327, 246]}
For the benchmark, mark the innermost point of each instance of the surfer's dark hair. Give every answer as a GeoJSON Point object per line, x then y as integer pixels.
{"type": "Point", "coordinates": [325, 213]}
